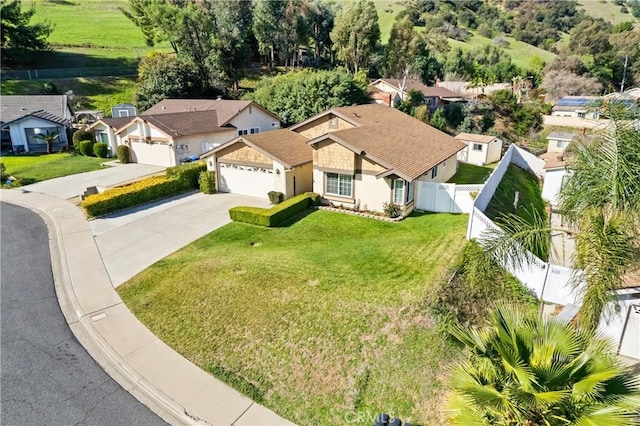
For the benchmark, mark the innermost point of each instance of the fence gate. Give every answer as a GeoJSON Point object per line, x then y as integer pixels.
{"type": "Point", "coordinates": [435, 197]}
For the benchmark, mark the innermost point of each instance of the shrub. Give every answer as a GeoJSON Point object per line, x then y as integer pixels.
{"type": "Point", "coordinates": [315, 199]}
{"type": "Point", "coordinates": [207, 182]}
{"type": "Point", "coordinates": [3, 171]}
{"type": "Point", "coordinates": [86, 148]}
{"type": "Point", "coordinates": [392, 210]}
{"type": "Point", "coordinates": [122, 152]}
{"type": "Point", "coordinates": [79, 136]}
{"type": "Point", "coordinates": [275, 197]}
{"type": "Point", "coordinates": [189, 173]}
{"type": "Point", "coordinates": [275, 215]}
{"type": "Point", "coordinates": [101, 150]}
{"type": "Point", "coordinates": [144, 191]}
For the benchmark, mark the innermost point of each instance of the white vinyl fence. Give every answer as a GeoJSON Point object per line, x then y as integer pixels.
{"type": "Point", "coordinates": [553, 283]}
{"type": "Point", "coordinates": [446, 197]}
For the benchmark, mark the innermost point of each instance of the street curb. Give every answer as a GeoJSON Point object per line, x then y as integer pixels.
{"type": "Point", "coordinates": [82, 327]}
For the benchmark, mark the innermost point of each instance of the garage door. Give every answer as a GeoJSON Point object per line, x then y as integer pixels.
{"type": "Point", "coordinates": [156, 154]}
{"type": "Point", "coordinates": [246, 180]}
{"type": "Point", "coordinates": [630, 345]}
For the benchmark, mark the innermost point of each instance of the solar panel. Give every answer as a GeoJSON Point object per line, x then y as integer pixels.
{"type": "Point", "coordinates": [574, 102]}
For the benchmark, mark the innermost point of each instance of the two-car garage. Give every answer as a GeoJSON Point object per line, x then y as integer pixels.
{"type": "Point", "coordinates": [157, 154]}
{"type": "Point", "coordinates": [245, 180]}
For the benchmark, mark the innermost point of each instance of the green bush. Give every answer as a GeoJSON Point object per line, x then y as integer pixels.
{"type": "Point", "coordinates": [122, 152]}
{"type": "Point", "coordinates": [3, 171]}
{"type": "Point", "coordinates": [189, 173]}
{"type": "Point", "coordinates": [315, 198]}
{"type": "Point", "coordinates": [275, 197]}
{"type": "Point", "coordinates": [79, 136]}
{"type": "Point", "coordinates": [276, 214]}
{"type": "Point", "coordinates": [86, 148]}
{"type": "Point", "coordinates": [144, 191]}
{"type": "Point", "coordinates": [101, 150]}
{"type": "Point", "coordinates": [207, 182]}
{"type": "Point", "coordinates": [392, 210]}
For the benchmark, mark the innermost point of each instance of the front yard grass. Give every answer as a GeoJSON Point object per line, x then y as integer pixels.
{"type": "Point", "coordinates": [469, 174]}
{"type": "Point", "coordinates": [38, 167]}
{"type": "Point", "coordinates": [323, 321]}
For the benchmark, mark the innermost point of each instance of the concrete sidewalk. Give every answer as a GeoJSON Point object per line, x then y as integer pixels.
{"type": "Point", "coordinates": [160, 378]}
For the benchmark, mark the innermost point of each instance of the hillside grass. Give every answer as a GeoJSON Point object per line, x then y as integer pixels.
{"type": "Point", "coordinates": [606, 10]}
{"type": "Point", "coordinates": [90, 92]}
{"type": "Point", "coordinates": [387, 12]}
{"type": "Point", "coordinates": [323, 320]}
{"type": "Point", "coordinates": [530, 195]}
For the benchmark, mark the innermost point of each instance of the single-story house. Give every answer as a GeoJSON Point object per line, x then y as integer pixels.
{"type": "Point", "coordinates": [559, 141]}
{"type": "Point", "coordinates": [481, 149]}
{"type": "Point", "coordinates": [577, 106]}
{"type": "Point", "coordinates": [187, 127]}
{"type": "Point", "coordinates": [24, 117]}
{"type": "Point", "coordinates": [258, 163]}
{"type": "Point", "coordinates": [389, 92]}
{"type": "Point", "coordinates": [369, 155]}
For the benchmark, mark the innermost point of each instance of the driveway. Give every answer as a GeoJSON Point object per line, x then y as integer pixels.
{"type": "Point", "coordinates": [132, 240]}
{"type": "Point", "coordinates": [74, 185]}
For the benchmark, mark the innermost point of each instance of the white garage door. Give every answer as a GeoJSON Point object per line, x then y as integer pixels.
{"type": "Point", "coordinates": [245, 180]}
{"type": "Point", "coordinates": [630, 345]}
{"type": "Point", "coordinates": [157, 154]}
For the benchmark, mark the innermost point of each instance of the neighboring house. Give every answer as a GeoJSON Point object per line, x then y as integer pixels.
{"type": "Point", "coordinates": [389, 92]}
{"type": "Point", "coordinates": [105, 130]}
{"type": "Point", "coordinates": [558, 141]}
{"type": "Point", "coordinates": [577, 106]}
{"type": "Point", "coordinates": [369, 155]}
{"type": "Point", "coordinates": [123, 110]}
{"type": "Point", "coordinates": [24, 117]}
{"type": "Point", "coordinates": [88, 116]}
{"type": "Point", "coordinates": [258, 163]}
{"type": "Point", "coordinates": [247, 117]}
{"type": "Point", "coordinates": [481, 149]}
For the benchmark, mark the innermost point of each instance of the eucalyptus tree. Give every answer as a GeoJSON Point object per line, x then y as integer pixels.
{"type": "Point", "coordinates": [525, 370]}
{"type": "Point", "coordinates": [356, 34]}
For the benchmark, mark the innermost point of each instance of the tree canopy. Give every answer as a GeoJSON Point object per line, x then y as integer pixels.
{"type": "Point", "coordinates": [356, 34]}
{"type": "Point", "coordinates": [17, 35]}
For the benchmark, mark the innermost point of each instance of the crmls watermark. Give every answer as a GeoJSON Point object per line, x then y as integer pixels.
{"type": "Point", "coordinates": [368, 417]}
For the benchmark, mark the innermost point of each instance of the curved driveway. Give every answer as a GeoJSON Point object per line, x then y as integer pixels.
{"type": "Point", "coordinates": [47, 378]}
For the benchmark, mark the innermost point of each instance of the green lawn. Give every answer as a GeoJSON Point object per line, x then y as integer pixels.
{"type": "Point", "coordinates": [469, 174]}
{"type": "Point", "coordinates": [321, 320]}
{"type": "Point", "coordinates": [91, 92]}
{"type": "Point", "coordinates": [36, 168]}
{"type": "Point", "coordinates": [527, 184]}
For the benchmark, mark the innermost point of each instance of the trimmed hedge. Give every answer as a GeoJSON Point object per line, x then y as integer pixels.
{"type": "Point", "coordinates": [86, 148]}
{"type": "Point", "coordinates": [144, 191]}
{"type": "Point", "coordinates": [101, 150]}
{"type": "Point", "coordinates": [276, 214]}
{"type": "Point", "coordinates": [275, 197]}
{"type": "Point", "coordinates": [79, 136]}
{"type": "Point", "coordinates": [207, 182]}
{"type": "Point", "coordinates": [122, 152]}
{"type": "Point", "coordinates": [189, 173]}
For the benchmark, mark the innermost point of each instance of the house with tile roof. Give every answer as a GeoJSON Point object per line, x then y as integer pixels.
{"type": "Point", "coordinates": [256, 164]}
{"type": "Point", "coordinates": [390, 92]}
{"type": "Point", "coordinates": [22, 118]}
{"type": "Point", "coordinates": [175, 130]}
{"type": "Point", "coordinates": [481, 149]}
{"type": "Point", "coordinates": [369, 155]}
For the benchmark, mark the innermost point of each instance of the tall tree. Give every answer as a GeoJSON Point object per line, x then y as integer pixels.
{"type": "Point", "coordinates": [401, 50]}
{"type": "Point", "coordinates": [356, 34]}
{"type": "Point", "coordinates": [267, 15]}
{"type": "Point", "coordinates": [17, 35]}
{"type": "Point", "coordinates": [293, 31]}
{"type": "Point", "coordinates": [524, 370]}
{"type": "Point", "coordinates": [321, 18]}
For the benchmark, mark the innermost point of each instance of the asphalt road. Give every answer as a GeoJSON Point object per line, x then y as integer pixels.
{"type": "Point", "coordinates": [46, 376]}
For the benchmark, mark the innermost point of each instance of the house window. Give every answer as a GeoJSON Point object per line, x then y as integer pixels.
{"type": "Point", "coordinates": [102, 137]}
{"type": "Point", "coordinates": [31, 133]}
{"type": "Point", "coordinates": [333, 123]}
{"type": "Point", "coordinates": [340, 185]}
{"type": "Point", "coordinates": [123, 113]}
{"type": "Point", "coordinates": [243, 132]}
{"type": "Point", "coordinates": [398, 191]}
{"type": "Point", "coordinates": [255, 130]}
{"type": "Point", "coordinates": [562, 144]}
{"type": "Point", "coordinates": [409, 192]}
{"type": "Point", "coordinates": [434, 172]}
{"type": "Point", "coordinates": [477, 147]}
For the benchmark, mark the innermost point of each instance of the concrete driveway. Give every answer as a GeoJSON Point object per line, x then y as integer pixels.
{"type": "Point", "coordinates": [74, 185]}
{"type": "Point", "coordinates": [132, 240]}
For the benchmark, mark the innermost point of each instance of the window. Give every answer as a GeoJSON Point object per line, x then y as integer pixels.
{"type": "Point", "coordinates": [562, 144]}
{"type": "Point", "coordinates": [255, 130]}
{"type": "Point", "coordinates": [409, 192]}
{"type": "Point", "coordinates": [123, 113]}
{"type": "Point", "coordinates": [102, 137]}
{"type": "Point", "coordinates": [398, 191]}
{"type": "Point", "coordinates": [477, 147]}
{"type": "Point", "coordinates": [338, 184]}
{"type": "Point", "coordinates": [243, 132]}
{"type": "Point", "coordinates": [333, 123]}
{"type": "Point", "coordinates": [31, 133]}
{"type": "Point", "coordinates": [434, 172]}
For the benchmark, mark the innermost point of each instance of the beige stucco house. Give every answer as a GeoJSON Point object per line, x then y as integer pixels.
{"type": "Point", "coordinates": [256, 164]}
{"type": "Point", "coordinates": [391, 91]}
{"type": "Point", "coordinates": [369, 155]}
{"type": "Point", "coordinates": [480, 150]}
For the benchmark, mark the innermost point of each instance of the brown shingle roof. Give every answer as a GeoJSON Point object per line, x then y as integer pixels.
{"type": "Point", "coordinates": [284, 146]}
{"type": "Point", "coordinates": [406, 146]}
{"type": "Point", "coordinates": [185, 123]}
{"type": "Point", "coordinates": [116, 122]}
{"type": "Point", "coordinates": [470, 137]}
{"type": "Point", "coordinates": [226, 108]}
{"type": "Point", "coordinates": [427, 91]}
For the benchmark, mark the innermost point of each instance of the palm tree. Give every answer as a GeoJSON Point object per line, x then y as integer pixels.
{"type": "Point", "coordinates": [48, 138]}
{"type": "Point", "coordinates": [601, 201]}
{"type": "Point", "coordinates": [525, 370]}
